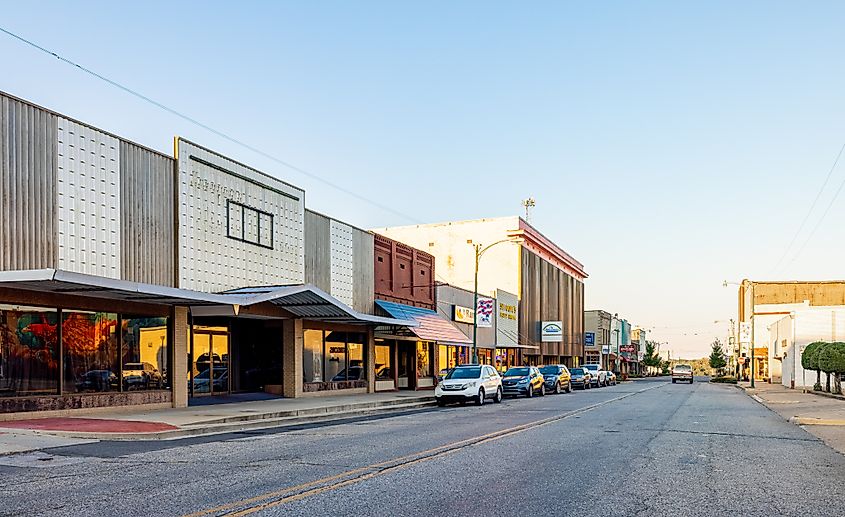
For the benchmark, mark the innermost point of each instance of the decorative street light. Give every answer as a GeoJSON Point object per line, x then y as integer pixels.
{"type": "Point", "coordinates": [479, 250]}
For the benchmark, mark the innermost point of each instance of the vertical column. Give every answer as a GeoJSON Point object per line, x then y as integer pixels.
{"type": "Point", "coordinates": [292, 347]}
{"type": "Point", "coordinates": [370, 360]}
{"type": "Point", "coordinates": [179, 371]}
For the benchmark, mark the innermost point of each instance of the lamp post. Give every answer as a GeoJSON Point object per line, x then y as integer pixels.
{"type": "Point", "coordinates": [746, 284]}
{"type": "Point", "coordinates": [479, 250]}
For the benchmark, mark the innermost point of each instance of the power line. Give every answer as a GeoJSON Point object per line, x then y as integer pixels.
{"type": "Point", "coordinates": [210, 129]}
{"type": "Point", "coordinates": [810, 211]}
{"type": "Point", "coordinates": [819, 223]}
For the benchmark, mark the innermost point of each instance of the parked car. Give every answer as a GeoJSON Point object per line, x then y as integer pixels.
{"type": "Point", "coordinates": [681, 372]}
{"type": "Point", "coordinates": [557, 378]}
{"type": "Point", "coordinates": [97, 380]}
{"type": "Point", "coordinates": [523, 380]}
{"type": "Point", "coordinates": [610, 378]}
{"type": "Point", "coordinates": [469, 382]}
{"type": "Point", "coordinates": [599, 376]}
{"type": "Point", "coordinates": [355, 373]}
{"type": "Point", "coordinates": [220, 382]}
{"type": "Point", "coordinates": [581, 378]}
{"type": "Point", "coordinates": [141, 376]}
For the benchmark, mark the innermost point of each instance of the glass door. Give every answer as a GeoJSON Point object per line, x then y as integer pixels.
{"type": "Point", "coordinates": [210, 365]}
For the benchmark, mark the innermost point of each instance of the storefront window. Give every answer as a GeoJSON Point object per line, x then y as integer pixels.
{"type": "Point", "coordinates": [384, 367]}
{"type": "Point", "coordinates": [336, 356]}
{"type": "Point", "coordinates": [89, 341]}
{"type": "Point", "coordinates": [355, 357]}
{"type": "Point", "coordinates": [333, 356]}
{"type": "Point", "coordinates": [29, 351]}
{"type": "Point", "coordinates": [424, 364]}
{"type": "Point", "coordinates": [312, 359]}
{"type": "Point", "coordinates": [144, 353]}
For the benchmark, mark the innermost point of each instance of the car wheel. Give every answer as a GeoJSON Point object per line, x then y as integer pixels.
{"type": "Point", "coordinates": [479, 401]}
{"type": "Point", "coordinates": [530, 391]}
{"type": "Point", "coordinates": [441, 403]}
{"type": "Point", "coordinates": [673, 381]}
{"type": "Point", "coordinates": [499, 396]}
{"type": "Point", "coordinates": [557, 388]}
{"type": "Point", "coordinates": [569, 387]}
{"type": "Point", "coordinates": [543, 390]}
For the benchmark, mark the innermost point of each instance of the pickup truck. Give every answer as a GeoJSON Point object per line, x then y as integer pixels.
{"type": "Point", "coordinates": [682, 372]}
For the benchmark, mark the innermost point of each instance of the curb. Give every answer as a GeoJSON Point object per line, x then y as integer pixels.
{"type": "Point", "coordinates": [826, 394]}
{"type": "Point", "coordinates": [254, 423]}
{"type": "Point", "coordinates": [798, 420]}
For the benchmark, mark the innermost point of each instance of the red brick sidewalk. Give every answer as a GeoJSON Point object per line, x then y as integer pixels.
{"type": "Point", "coordinates": [89, 425]}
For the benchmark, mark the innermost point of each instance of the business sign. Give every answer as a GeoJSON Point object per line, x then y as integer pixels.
{"type": "Point", "coordinates": [605, 349]}
{"type": "Point", "coordinates": [462, 314]}
{"type": "Point", "coordinates": [484, 309]}
{"type": "Point", "coordinates": [590, 338]}
{"type": "Point", "coordinates": [551, 331]}
{"type": "Point", "coordinates": [745, 333]}
{"type": "Point", "coordinates": [507, 319]}
{"type": "Point", "coordinates": [237, 226]}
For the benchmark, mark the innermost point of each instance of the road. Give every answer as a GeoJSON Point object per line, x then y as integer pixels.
{"type": "Point", "coordinates": [640, 448]}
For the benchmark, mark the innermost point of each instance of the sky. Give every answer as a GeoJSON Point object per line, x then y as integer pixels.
{"type": "Point", "coordinates": [670, 146]}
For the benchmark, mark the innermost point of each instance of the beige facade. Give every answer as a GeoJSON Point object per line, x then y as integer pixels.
{"type": "Point", "coordinates": [763, 304]}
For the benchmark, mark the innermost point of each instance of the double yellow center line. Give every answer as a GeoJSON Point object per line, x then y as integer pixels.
{"type": "Point", "coordinates": [349, 477]}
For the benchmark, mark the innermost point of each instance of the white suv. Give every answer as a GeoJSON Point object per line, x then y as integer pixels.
{"type": "Point", "coordinates": [599, 375]}
{"type": "Point", "coordinates": [476, 382]}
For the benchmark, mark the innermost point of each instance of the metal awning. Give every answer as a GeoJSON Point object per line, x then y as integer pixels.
{"type": "Point", "coordinates": [430, 325]}
{"type": "Point", "coordinates": [303, 301]}
{"type": "Point", "coordinates": [309, 302]}
{"type": "Point", "coordinates": [521, 347]}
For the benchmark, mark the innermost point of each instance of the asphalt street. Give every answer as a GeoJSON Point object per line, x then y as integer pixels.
{"type": "Point", "coordinates": [640, 448]}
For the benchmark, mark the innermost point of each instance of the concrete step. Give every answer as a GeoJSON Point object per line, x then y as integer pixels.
{"type": "Point", "coordinates": [236, 426]}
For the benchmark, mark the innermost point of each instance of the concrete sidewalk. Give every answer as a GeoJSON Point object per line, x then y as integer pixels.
{"type": "Point", "coordinates": [162, 424]}
{"type": "Point", "coordinates": [823, 417]}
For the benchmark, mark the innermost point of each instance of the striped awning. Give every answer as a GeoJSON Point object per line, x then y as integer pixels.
{"type": "Point", "coordinates": [430, 325]}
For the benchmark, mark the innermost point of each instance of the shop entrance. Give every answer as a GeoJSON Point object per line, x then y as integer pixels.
{"type": "Point", "coordinates": [406, 359]}
{"type": "Point", "coordinates": [209, 359]}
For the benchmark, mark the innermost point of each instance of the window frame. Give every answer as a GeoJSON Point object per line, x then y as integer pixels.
{"type": "Point", "coordinates": [258, 217]}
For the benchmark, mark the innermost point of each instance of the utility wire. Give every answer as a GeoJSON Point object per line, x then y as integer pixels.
{"type": "Point", "coordinates": [210, 129]}
{"type": "Point", "coordinates": [810, 211]}
{"type": "Point", "coordinates": [819, 223]}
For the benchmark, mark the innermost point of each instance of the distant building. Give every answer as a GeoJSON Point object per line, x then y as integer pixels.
{"type": "Point", "coordinates": [597, 338]}
{"type": "Point", "coordinates": [793, 332]}
{"type": "Point", "coordinates": [548, 281]}
{"type": "Point", "coordinates": [761, 304]}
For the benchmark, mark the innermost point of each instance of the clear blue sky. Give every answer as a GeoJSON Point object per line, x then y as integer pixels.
{"type": "Point", "coordinates": [669, 145]}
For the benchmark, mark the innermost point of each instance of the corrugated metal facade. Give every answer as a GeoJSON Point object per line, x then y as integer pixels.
{"type": "Point", "coordinates": [27, 186]}
{"type": "Point", "coordinates": [147, 233]}
{"type": "Point", "coordinates": [339, 260]}
{"type": "Point", "coordinates": [549, 294]}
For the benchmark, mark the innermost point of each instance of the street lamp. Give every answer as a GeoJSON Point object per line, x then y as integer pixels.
{"type": "Point", "coordinates": [746, 284]}
{"type": "Point", "coordinates": [479, 250]}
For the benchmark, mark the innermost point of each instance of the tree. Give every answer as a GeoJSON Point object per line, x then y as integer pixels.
{"type": "Point", "coordinates": [717, 356]}
{"type": "Point", "coordinates": [650, 357]}
{"type": "Point", "coordinates": [810, 361]}
{"type": "Point", "coordinates": [832, 361]}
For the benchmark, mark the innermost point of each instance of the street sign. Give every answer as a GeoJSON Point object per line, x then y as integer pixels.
{"type": "Point", "coordinates": [745, 333]}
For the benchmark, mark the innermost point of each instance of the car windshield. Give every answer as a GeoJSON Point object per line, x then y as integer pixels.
{"type": "Point", "coordinates": [549, 370]}
{"type": "Point", "coordinates": [593, 367]}
{"type": "Point", "coordinates": [577, 371]}
{"type": "Point", "coordinates": [683, 367]}
{"type": "Point", "coordinates": [517, 372]}
{"type": "Point", "coordinates": [464, 373]}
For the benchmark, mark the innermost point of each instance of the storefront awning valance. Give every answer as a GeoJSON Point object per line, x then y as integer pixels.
{"type": "Point", "coordinates": [430, 326]}
{"type": "Point", "coordinates": [521, 347]}
{"type": "Point", "coordinates": [304, 301]}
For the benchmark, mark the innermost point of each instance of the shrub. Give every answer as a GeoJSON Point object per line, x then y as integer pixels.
{"type": "Point", "coordinates": [810, 361]}
{"type": "Point", "coordinates": [724, 380]}
{"type": "Point", "coordinates": [831, 360]}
